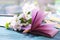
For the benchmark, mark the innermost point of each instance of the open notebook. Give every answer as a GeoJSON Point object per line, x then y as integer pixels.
{"type": "Point", "coordinates": [38, 28]}
{"type": "Point", "coordinates": [42, 29]}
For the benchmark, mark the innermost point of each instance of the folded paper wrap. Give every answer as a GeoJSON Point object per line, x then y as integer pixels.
{"type": "Point", "coordinates": [38, 28]}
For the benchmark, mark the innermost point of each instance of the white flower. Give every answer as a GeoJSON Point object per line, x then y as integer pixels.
{"type": "Point", "coordinates": [21, 15]}
{"type": "Point", "coordinates": [28, 7]}
{"type": "Point", "coordinates": [28, 16]}
{"type": "Point", "coordinates": [15, 23]}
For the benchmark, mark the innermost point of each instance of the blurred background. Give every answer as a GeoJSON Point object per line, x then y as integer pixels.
{"type": "Point", "coordinates": [8, 8]}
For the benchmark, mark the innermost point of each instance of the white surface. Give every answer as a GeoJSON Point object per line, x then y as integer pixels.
{"type": "Point", "coordinates": [3, 20]}
{"type": "Point", "coordinates": [8, 2]}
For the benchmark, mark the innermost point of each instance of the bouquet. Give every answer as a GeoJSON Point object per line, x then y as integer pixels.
{"type": "Point", "coordinates": [32, 23]}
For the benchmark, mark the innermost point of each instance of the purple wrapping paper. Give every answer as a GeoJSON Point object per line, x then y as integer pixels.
{"type": "Point", "coordinates": [38, 28]}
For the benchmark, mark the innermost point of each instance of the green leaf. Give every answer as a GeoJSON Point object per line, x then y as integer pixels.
{"type": "Point", "coordinates": [7, 25]}
{"type": "Point", "coordinates": [28, 12]}
{"type": "Point", "coordinates": [29, 21]}
{"type": "Point", "coordinates": [23, 20]}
